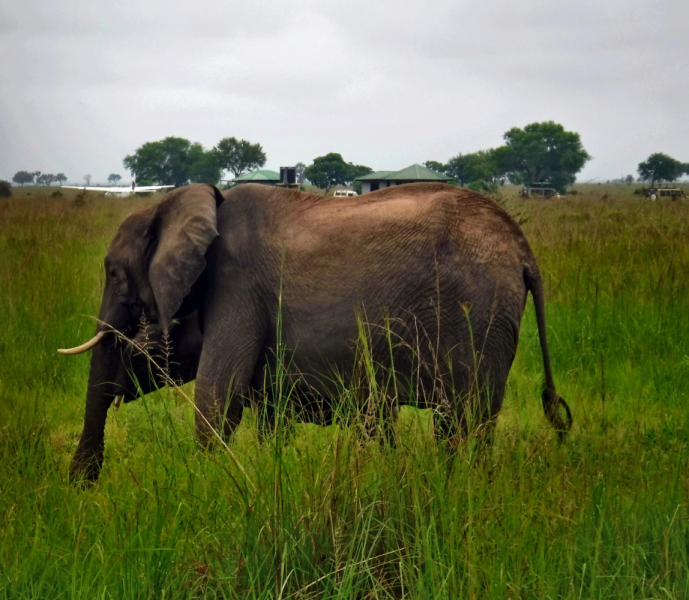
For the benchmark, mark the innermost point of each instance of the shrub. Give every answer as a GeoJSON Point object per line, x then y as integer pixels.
{"type": "Point", "coordinates": [80, 198]}
{"type": "Point", "coordinates": [5, 189]}
{"type": "Point", "coordinates": [57, 194]}
{"type": "Point", "coordinates": [482, 186]}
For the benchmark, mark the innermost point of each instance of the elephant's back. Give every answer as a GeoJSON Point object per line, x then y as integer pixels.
{"type": "Point", "coordinates": [339, 249]}
{"type": "Point", "coordinates": [407, 219]}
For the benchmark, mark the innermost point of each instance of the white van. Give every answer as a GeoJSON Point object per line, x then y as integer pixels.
{"type": "Point", "coordinates": [344, 193]}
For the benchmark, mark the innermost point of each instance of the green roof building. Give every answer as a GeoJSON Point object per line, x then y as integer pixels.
{"type": "Point", "coordinates": [264, 176]}
{"type": "Point", "coordinates": [413, 174]}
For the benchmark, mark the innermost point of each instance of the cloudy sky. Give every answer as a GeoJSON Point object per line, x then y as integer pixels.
{"type": "Point", "coordinates": [386, 84]}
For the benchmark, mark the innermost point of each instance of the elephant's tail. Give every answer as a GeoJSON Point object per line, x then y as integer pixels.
{"type": "Point", "coordinates": [551, 401]}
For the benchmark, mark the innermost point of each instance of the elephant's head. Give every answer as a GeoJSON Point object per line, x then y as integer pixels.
{"type": "Point", "coordinates": [157, 357]}
{"type": "Point", "coordinates": [153, 262]}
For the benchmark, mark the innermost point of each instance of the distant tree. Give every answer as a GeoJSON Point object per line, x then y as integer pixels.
{"type": "Point", "coordinates": [5, 189]}
{"type": "Point", "coordinates": [355, 171]}
{"type": "Point", "coordinates": [36, 175]}
{"type": "Point", "coordinates": [327, 171]}
{"type": "Point", "coordinates": [436, 166]}
{"type": "Point", "coordinates": [22, 177]}
{"type": "Point", "coordinates": [331, 169]}
{"type": "Point", "coordinates": [165, 162]}
{"type": "Point", "coordinates": [489, 166]}
{"type": "Point", "coordinates": [203, 165]}
{"type": "Point", "coordinates": [60, 178]}
{"type": "Point", "coordinates": [46, 179]}
{"type": "Point", "coordinates": [543, 152]}
{"type": "Point", "coordinates": [300, 167]}
{"type": "Point", "coordinates": [87, 179]}
{"type": "Point", "coordinates": [660, 167]}
{"type": "Point", "coordinates": [114, 178]}
{"type": "Point", "coordinates": [629, 179]}
{"type": "Point", "coordinates": [239, 156]}
{"type": "Point", "coordinates": [456, 168]}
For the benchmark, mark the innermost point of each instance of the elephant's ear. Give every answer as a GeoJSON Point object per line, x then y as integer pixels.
{"type": "Point", "coordinates": [182, 228]}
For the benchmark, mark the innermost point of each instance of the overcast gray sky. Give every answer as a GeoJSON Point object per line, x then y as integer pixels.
{"type": "Point", "coordinates": [386, 84]}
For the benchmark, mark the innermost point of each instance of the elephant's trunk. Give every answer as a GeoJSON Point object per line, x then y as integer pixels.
{"type": "Point", "coordinates": [101, 393]}
{"type": "Point", "coordinates": [92, 343]}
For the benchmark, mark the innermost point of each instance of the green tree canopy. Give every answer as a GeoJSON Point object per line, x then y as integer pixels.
{"type": "Point", "coordinates": [203, 165]}
{"type": "Point", "coordinates": [60, 178]}
{"type": "Point", "coordinates": [489, 166]}
{"type": "Point", "coordinates": [164, 162]}
{"type": "Point", "coordinates": [239, 156]}
{"type": "Point", "coordinates": [45, 179]}
{"type": "Point", "coordinates": [22, 177]}
{"type": "Point", "coordinates": [357, 171]}
{"type": "Point", "coordinates": [660, 167]}
{"type": "Point", "coordinates": [543, 152]}
{"type": "Point", "coordinates": [436, 166]}
{"type": "Point", "coordinates": [114, 178]}
{"type": "Point", "coordinates": [331, 169]}
{"type": "Point", "coordinates": [173, 161]}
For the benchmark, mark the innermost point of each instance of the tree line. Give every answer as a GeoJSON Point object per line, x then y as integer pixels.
{"type": "Point", "coordinates": [542, 153]}
{"type": "Point", "coordinates": [177, 161]}
{"type": "Point", "coordinates": [538, 153]}
{"type": "Point", "coordinates": [23, 177]}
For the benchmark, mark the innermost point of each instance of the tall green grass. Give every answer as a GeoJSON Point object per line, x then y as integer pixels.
{"type": "Point", "coordinates": [332, 515]}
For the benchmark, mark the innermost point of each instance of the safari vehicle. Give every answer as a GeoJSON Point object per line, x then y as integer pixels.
{"type": "Point", "coordinates": [665, 192]}
{"type": "Point", "coordinates": [539, 189]}
{"type": "Point", "coordinates": [345, 194]}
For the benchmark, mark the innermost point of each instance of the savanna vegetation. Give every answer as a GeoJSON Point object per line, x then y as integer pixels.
{"type": "Point", "coordinates": [330, 515]}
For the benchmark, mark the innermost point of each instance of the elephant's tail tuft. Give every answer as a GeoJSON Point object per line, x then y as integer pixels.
{"type": "Point", "coordinates": [551, 401]}
{"type": "Point", "coordinates": [551, 406]}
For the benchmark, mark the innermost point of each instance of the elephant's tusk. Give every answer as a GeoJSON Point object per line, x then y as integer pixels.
{"type": "Point", "coordinates": [118, 401]}
{"type": "Point", "coordinates": [92, 343]}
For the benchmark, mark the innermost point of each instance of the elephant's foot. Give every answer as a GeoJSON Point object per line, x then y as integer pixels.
{"type": "Point", "coordinates": [85, 467]}
{"type": "Point", "coordinates": [212, 426]}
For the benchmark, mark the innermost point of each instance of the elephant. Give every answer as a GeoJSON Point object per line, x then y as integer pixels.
{"type": "Point", "coordinates": [152, 360]}
{"type": "Point", "coordinates": [431, 279]}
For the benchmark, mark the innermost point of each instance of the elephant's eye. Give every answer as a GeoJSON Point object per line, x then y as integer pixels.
{"type": "Point", "coordinates": [112, 273]}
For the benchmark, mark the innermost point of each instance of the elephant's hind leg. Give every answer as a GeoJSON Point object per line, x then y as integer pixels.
{"type": "Point", "coordinates": [219, 409]}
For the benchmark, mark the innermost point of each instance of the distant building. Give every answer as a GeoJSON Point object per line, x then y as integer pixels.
{"type": "Point", "coordinates": [264, 176]}
{"type": "Point", "coordinates": [414, 174]}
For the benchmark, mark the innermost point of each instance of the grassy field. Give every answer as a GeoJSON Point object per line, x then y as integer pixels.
{"type": "Point", "coordinates": [604, 515]}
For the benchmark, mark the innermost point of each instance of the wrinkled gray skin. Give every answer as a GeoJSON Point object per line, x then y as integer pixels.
{"type": "Point", "coordinates": [445, 269]}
